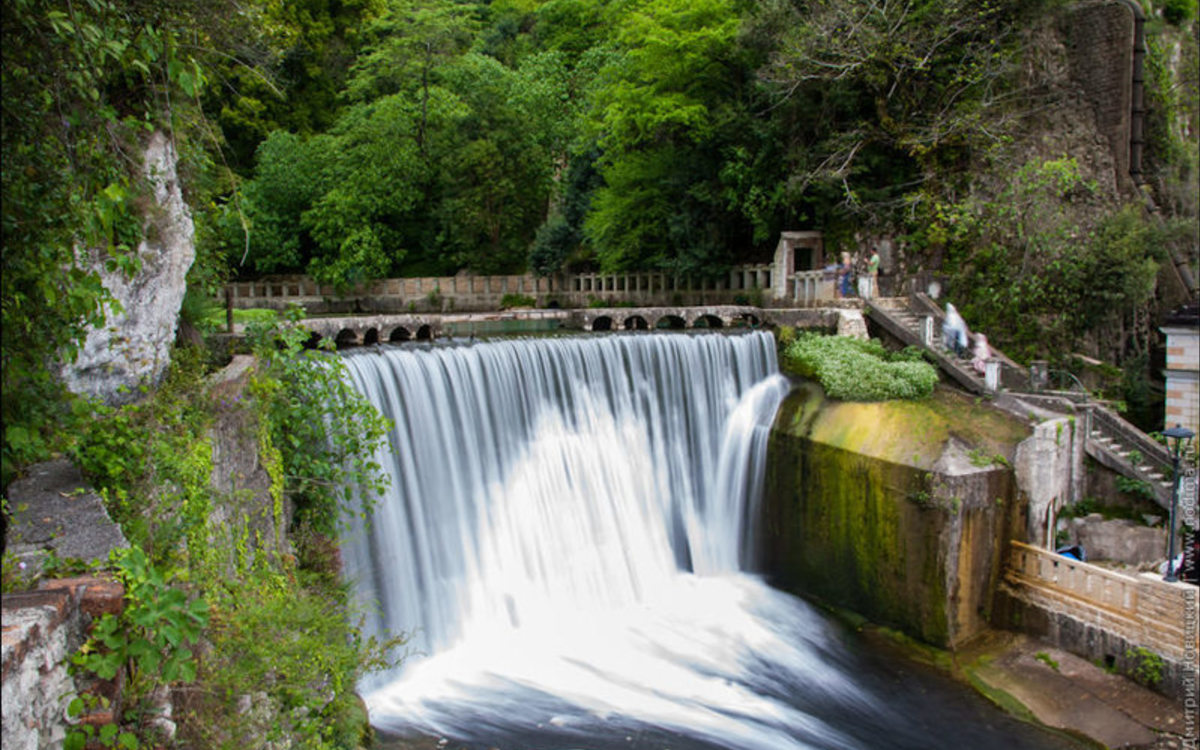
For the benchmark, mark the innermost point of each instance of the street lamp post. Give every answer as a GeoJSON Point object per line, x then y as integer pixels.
{"type": "Point", "coordinates": [1177, 438]}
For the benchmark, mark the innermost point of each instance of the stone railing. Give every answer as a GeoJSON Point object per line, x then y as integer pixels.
{"type": "Point", "coordinates": [745, 285]}
{"type": "Point", "coordinates": [1104, 588]}
{"type": "Point", "coordinates": [1143, 609]}
{"type": "Point", "coordinates": [810, 288]}
{"type": "Point", "coordinates": [1108, 423]}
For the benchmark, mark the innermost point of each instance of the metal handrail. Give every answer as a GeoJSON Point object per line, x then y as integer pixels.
{"type": "Point", "coordinates": [1081, 387]}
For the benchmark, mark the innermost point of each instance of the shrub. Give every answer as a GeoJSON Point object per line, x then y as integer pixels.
{"type": "Point", "coordinates": [327, 433]}
{"type": "Point", "coordinates": [1146, 667]}
{"type": "Point", "coordinates": [856, 370]}
{"type": "Point", "coordinates": [511, 300]}
{"type": "Point", "coordinates": [1175, 12]}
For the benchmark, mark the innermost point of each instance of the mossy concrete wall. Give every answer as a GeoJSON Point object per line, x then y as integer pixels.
{"type": "Point", "coordinates": [899, 511]}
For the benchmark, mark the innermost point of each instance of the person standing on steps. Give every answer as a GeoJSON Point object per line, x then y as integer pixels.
{"type": "Point", "coordinates": [982, 354]}
{"type": "Point", "coordinates": [955, 335]}
{"type": "Point", "coordinates": [873, 271]}
{"type": "Point", "coordinates": [845, 272]}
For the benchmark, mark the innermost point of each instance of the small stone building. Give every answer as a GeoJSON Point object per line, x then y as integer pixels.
{"type": "Point", "coordinates": [1182, 329]}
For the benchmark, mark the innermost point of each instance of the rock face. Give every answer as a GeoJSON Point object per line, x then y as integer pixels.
{"type": "Point", "coordinates": [133, 348]}
{"type": "Point", "coordinates": [1119, 540]}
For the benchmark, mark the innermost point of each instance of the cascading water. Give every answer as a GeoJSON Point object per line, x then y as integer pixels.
{"type": "Point", "coordinates": [565, 539]}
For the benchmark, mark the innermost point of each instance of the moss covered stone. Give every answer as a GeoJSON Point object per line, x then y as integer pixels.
{"type": "Point", "coordinates": [874, 507]}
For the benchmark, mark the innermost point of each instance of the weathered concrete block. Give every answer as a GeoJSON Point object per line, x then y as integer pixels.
{"type": "Point", "coordinates": [55, 510]}
{"type": "Point", "coordinates": [898, 510]}
{"type": "Point", "coordinates": [241, 483]}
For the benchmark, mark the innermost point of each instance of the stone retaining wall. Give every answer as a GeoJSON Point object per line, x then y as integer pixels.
{"type": "Point", "coordinates": [41, 629]}
{"type": "Point", "coordinates": [1103, 615]}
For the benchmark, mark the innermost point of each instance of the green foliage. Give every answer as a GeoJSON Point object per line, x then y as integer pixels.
{"type": "Point", "coordinates": [1177, 12]}
{"type": "Point", "coordinates": [150, 638]}
{"type": "Point", "coordinates": [512, 300]}
{"type": "Point", "coordinates": [664, 114]}
{"type": "Point", "coordinates": [856, 370]}
{"type": "Point", "coordinates": [1138, 488]}
{"type": "Point", "coordinates": [785, 336]}
{"type": "Point", "coordinates": [281, 66]}
{"type": "Point", "coordinates": [296, 649]}
{"type": "Point", "coordinates": [1089, 505]}
{"type": "Point", "coordinates": [15, 574]}
{"type": "Point", "coordinates": [1024, 243]}
{"type": "Point", "coordinates": [152, 461]}
{"type": "Point", "coordinates": [1046, 659]}
{"type": "Point", "coordinates": [326, 432]}
{"type": "Point", "coordinates": [66, 186]}
{"type": "Point", "coordinates": [148, 642]}
{"type": "Point", "coordinates": [1146, 667]}
{"type": "Point", "coordinates": [980, 458]}
{"type": "Point", "coordinates": [87, 735]}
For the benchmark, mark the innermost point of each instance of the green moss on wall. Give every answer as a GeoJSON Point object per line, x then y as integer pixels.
{"type": "Point", "coordinates": [856, 515]}
{"type": "Point", "coordinates": [904, 432]}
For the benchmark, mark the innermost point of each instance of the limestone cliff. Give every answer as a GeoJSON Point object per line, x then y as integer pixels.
{"type": "Point", "coordinates": [133, 348]}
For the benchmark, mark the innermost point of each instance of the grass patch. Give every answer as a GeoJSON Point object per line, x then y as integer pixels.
{"type": "Point", "coordinates": [214, 319]}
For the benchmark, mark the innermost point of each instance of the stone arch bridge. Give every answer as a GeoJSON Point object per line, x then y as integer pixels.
{"type": "Point", "coordinates": [365, 330]}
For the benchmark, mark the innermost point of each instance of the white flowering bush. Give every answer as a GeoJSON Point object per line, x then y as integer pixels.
{"type": "Point", "coordinates": [857, 370]}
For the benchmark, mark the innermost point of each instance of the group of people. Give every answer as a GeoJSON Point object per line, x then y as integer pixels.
{"type": "Point", "coordinates": [955, 334]}
{"type": "Point", "coordinates": [867, 272]}
{"type": "Point", "coordinates": [957, 339]}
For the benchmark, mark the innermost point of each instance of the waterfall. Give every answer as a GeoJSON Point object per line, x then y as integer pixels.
{"type": "Point", "coordinates": [564, 539]}
{"type": "Point", "coordinates": [568, 539]}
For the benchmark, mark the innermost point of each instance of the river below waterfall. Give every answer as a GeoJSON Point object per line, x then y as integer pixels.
{"type": "Point", "coordinates": [569, 541]}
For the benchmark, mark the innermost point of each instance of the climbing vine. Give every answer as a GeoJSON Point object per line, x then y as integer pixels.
{"type": "Point", "coordinates": [326, 433]}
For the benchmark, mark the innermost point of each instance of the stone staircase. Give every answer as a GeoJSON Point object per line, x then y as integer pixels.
{"type": "Point", "coordinates": [1120, 446]}
{"type": "Point", "coordinates": [905, 318]}
{"type": "Point", "coordinates": [1110, 440]}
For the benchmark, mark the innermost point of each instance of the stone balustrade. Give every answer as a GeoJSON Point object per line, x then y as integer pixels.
{"type": "Point", "coordinates": [1118, 619]}
{"type": "Point", "coordinates": [746, 284]}
{"type": "Point", "coordinates": [1113, 591]}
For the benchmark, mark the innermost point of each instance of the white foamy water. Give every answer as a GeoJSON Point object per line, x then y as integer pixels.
{"type": "Point", "coordinates": [566, 537]}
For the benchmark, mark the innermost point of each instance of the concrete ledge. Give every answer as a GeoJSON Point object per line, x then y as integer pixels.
{"type": "Point", "coordinates": [1066, 692]}
{"type": "Point", "coordinates": [55, 510]}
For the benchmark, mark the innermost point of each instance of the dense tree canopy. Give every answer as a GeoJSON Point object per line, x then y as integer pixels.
{"type": "Point", "coordinates": [681, 136]}
{"type": "Point", "coordinates": [353, 139]}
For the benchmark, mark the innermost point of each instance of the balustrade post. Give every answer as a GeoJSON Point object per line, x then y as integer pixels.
{"type": "Point", "coordinates": [991, 375]}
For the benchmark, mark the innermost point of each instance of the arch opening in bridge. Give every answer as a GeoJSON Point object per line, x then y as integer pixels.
{"type": "Point", "coordinates": [313, 341]}
{"type": "Point", "coordinates": [399, 335]}
{"type": "Point", "coordinates": [424, 333]}
{"type": "Point", "coordinates": [636, 323]}
{"type": "Point", "coordinates": [602, 323]}
{"type": "Point", "coordinates": [371, 337]}
{"type": "Point", "coordinates": [346, 337]}
{"type": "Point", "coordinates": [707, 321]}
{"type": "Point", "coordinates": [673, 322]}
